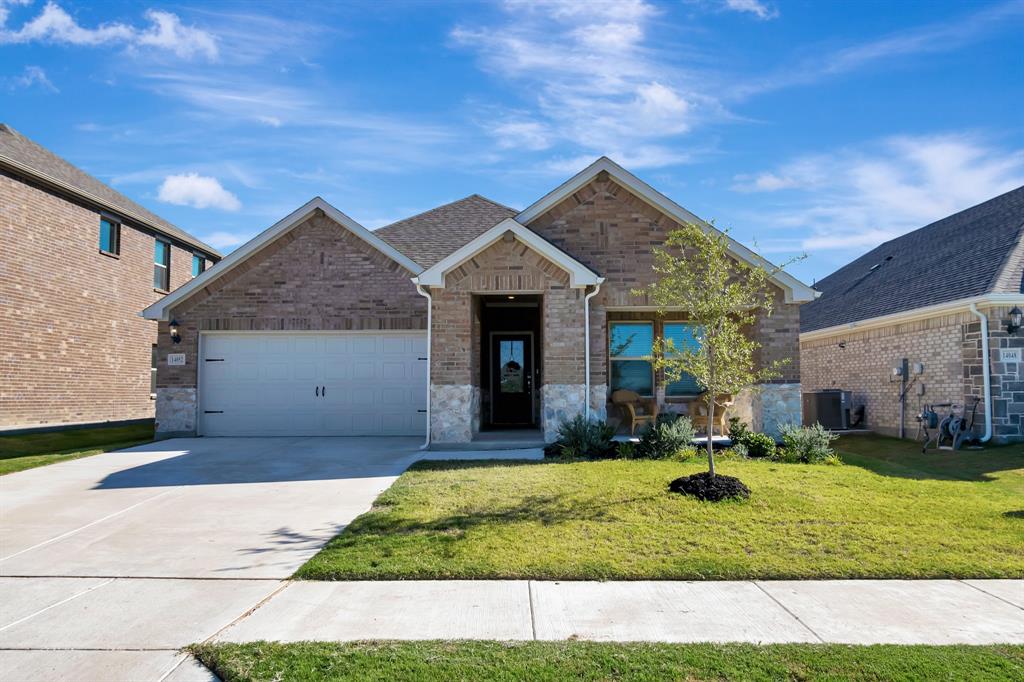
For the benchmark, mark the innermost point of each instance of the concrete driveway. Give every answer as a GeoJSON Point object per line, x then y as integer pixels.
{"type": "Point", "coordinates": [99, 557]}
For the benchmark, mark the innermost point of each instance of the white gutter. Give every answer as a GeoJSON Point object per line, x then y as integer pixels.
{"type": "Point", "coordinates": [430, 312]}
{"type": "Point", "coordinates": [586, 347]}
{"type": "Point", "coordinates": [986, 372]}
{"type": "Point", "coordinates": [914, 314]}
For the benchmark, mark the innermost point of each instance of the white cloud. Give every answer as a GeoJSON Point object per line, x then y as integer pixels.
{"type": "Point", "coordinates": [856, 199]}
{"type": "Point", "coordinates": [594, 81]}
{"type": "Point", "coordinates": [165, 32]}
{"type": "Point", "coordinates": [168, 33]}
{"type": "Point", "coordinates": [931, 38]}
{"type": "Point", "coordinates": [272, 121]}
{"type": "Point", "coordinates": [225, 241]}
{"type": "Point", "coordinates": [513, 134]}
{"type": "Point", "coordinates": [33, 76]}
{"type": "Point", "coordinates": [756, 7]}
{"type": "Point", "coordinates": [197, 191]}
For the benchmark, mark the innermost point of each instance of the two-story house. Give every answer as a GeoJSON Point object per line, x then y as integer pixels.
{"type": "Point", "coordinates": [79, 261]}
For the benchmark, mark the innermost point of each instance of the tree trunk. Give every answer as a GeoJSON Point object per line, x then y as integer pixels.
{"type": "Point", "coordinates": [711, 429]}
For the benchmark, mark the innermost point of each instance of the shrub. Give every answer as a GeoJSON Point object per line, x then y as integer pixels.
{"type": "Point", "coordinates": [738, 430]}
{"type": "Point", "coordinates": [759, 445]}
{"type": "Point", "coordinates": [627, 450]}
{"type": "Point", "coordinates": [739, 449]}
{"type": "Point", "coordinates": [666, 438]}
{"type": "Point", "coordinates": [710, 488]}
{"type": "Point", "coordinates": [807, 444]}
{"type": "Point", "coordinates": [582, 437]}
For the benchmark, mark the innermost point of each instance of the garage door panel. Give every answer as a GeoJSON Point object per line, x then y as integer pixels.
{"type": "Point", "coordinates": [269, 384]}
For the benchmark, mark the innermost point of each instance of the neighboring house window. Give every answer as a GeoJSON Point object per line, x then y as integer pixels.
{"type": "Point", "coordinates": [110, 236]}
{"type": "Point", "coordinates": [683, 336]}
{"type": "Point", "coordinates": [629, 344]}
{"type": "Point", "coordinates": [198, 264]}
{"type": "Point", "coordinates": [162, 265]}
{"type": "Point", "coordinates": [152, 372]}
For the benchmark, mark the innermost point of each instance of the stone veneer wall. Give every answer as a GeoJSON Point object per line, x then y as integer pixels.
{"type": "Point", "coordinates": [559, 402]}
{"type": "Point", "coordinates": [1007, 377]}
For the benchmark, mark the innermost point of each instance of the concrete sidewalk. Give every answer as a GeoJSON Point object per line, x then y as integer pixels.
{"type": "Point", "coordinates": [835, 611]}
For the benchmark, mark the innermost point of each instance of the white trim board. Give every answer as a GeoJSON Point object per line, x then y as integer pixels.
{"type": "Point", "coordinates": [796, 291]}
{"type": "Point", "coordinates": [950, 307]}
{"type": "Point", "coordinates": [580, 276]}
{"type": "Point", "coordinates": [158, 311]}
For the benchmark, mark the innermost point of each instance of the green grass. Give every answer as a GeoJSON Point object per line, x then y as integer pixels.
{"type": "Point", "coordinates": [888, 513]}
{"type": "Point", "coordinates": [482, 661]}
{"type": "Point", "coordinates": [38, 449]}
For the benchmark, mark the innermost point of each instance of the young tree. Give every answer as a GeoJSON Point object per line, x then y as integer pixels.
{"type": "Point", "coordinates": [722, 296]}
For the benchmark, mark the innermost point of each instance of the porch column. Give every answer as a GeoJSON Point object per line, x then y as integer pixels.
{"type": "Point", "coordinates": [563, 387]}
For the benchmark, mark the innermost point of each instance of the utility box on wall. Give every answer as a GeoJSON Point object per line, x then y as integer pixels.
{"type": "Point", "coordinates": [830, 408]}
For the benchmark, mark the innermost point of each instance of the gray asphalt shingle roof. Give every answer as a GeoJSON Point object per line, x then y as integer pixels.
{"type": "Point", "coordinates": [21, 150]}
{"type": "Point", "coordinates": [953, 258]}
{"type": "Point", "coordinates": [430, 236]}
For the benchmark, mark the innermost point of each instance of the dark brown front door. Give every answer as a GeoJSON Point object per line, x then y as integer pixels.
{"type": "Point", "coordinates": [512, 379]}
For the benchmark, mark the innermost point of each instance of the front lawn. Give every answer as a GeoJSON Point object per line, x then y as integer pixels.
{"type": "Point", "coordinates": [888, 513]}
{"type": "Point", "coordinates": [481, 661]}
{"type": "Point", "coordinates": [37, 449]}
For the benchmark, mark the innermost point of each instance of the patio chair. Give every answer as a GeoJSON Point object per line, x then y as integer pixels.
{"type": "Point", "coordinates": [699, 415]}
{"type": "Point", "coordinates": [635, 410]}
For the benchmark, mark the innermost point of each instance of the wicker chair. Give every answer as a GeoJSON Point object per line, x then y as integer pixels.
{"type": "Point", "coordinates": [699, 414]}
{"type": "Point", "coordinates": [635, 410]}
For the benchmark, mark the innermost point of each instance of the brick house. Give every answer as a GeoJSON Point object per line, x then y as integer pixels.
{"type": "Point", "coordinates": [470, 317]}
{"type": "Point", "coordinates": [79, 262]}
{"type": "Point", "coordinates": [940, 296]}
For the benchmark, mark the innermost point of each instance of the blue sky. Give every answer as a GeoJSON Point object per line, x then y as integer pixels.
{"type": "Point", "coordinates": [817, 127]}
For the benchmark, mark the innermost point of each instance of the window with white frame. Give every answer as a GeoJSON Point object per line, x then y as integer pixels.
{"type": "Point", "coordinates": [629, 346]}
{"type": "Point", "coordinates": [684, 336]}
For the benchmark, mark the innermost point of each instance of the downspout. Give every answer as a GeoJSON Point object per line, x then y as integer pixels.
{"type": "Point", "coordinates": [430, 330]}
{"type": "Point", "coordinates": [986, 371]}
{"type": "Point", "coordinates": [586, 347]}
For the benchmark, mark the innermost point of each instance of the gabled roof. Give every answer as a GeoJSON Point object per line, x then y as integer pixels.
{"type": "Point", "coordinates": [579, 274]}
{"type": "Point", "coordinates": [158, 311]}
{"type": "Point", "coordinates": [23, 156]}
{"type": "Point", "coordinates": [955, 258]}
{"type": "Point", "coordinates": [430, 236]}
{"type": "Point", "coordinates": [796, 291]}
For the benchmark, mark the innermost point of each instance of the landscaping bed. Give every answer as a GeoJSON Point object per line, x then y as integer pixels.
{"type": "Point", "coordinates": [888, 512]}
{"type": "Point", "coordinates": [480, 661]}
{"type": "Point", "coordinates": [38, 449]}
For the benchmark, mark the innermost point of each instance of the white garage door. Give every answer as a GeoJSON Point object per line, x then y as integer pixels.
{"type": "Point", "coordinates": [330, 384]}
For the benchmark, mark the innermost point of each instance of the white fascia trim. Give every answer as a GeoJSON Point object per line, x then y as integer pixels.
{"type": "Point", "coordinates": [796, 291]}
{"type": "Point", "coordinates": [158, 311]}
{"type": "Point", "coordinates": [579, 274]}
{"type": "Point", "coordinates": [959, 305]}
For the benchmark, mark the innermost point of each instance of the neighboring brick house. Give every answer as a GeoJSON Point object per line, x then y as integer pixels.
{"type": "Point", "coordinates": [78, 263]}
{"type": "Point", "coordinates": [926, 297]}
{"type": "Point", "coordinates": [472, 313]}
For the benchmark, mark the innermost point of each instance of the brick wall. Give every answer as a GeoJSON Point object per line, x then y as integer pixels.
{"type": "Point", "coordinates": [613, 232]}
{"type": "Point", "coordinates": [317, 276]}
{"type": "Point", "coordinates": [505, 267]}
{"type": "Point", "coordinates": [864, 366]}
{"type": "Point", "coordinates": [73, 348]}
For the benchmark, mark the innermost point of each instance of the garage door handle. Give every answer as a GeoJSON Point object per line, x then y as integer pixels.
{"type": "Point", "coordinates": [317, 391]}
{"type": "Point", "coordinates": [323, 391]}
